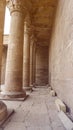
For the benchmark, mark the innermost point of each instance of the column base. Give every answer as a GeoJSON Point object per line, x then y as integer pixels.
{"type": "Point", "coordinates": [28, 88]}
{"type": "Point", "coordinates": [3, 111]}
{"type": "Point", "coordinates": [20, 97]}
{"type": "Point", "coordinates": [6, 95]}
{"type": "Point", "coordinates": [10, 112]}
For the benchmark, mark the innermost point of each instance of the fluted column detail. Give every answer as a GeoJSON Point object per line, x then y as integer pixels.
{"type": "Point", "coordinates": [14, 67]}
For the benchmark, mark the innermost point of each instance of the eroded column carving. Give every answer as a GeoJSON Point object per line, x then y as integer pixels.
{"type": "Point", "coordinates": [16, 5]}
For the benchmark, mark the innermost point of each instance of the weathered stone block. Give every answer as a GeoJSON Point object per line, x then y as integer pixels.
{"type": "Point", "coordinates": [60, 105]}
{"type": "Point", "coordinates": [53, 93]}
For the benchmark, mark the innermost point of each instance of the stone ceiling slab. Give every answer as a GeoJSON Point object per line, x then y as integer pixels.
{"type": "Point", "coordinates": [43, 12]}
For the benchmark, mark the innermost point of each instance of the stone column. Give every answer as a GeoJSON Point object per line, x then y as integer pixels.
{"type": "Point", "coordinates": [31, 61]}
{"type": "Point", "coordinates": [34, 63]}
{"type": "Point", "coordinates": [2, 15]}
{"type": "Point", "coordinates": [14, 67]}
{"type": "Point", "coordinates": [3, 107]}
{"type": "Point", "coordinates": [26, 61]}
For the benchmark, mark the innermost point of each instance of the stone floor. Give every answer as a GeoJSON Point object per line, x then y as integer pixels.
{"type": "Point", "coordinates": [38, 112]}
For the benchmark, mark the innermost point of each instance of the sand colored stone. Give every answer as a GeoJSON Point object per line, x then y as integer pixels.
{"type": "Point", "coordinates": [14, 66]}
{"type": "Point", "coordinates": [3, 108]}
{"type": "Point", "coordinates": [60, 105]}
{"type": "Point", "coordinates": [3, 111]}
{"type": "Point", "coordinates": [41, 65]}
{"type": "Point", "coordinates": [61, 53]}
{"type": "Point", "coordinates": [34, 63]}
{"type": "Point", "coordinates": [2, 14]}
{"type": "Point", "coordinates": [26, 58]}
{"type": "Point", "coordinates": [38, 112]}
{"type": "Point", "coordinates": [54, 32]}
{"type": "Point", "coordinates": [53, 93]}
{"type": "Point", "coordinates": [31, 61]}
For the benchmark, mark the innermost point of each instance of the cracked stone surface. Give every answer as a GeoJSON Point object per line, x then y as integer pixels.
{"type": "Point", "coordinates": [37, 112]}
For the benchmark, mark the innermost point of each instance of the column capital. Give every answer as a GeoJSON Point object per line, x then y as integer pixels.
{"type": "Point", "coordinates": [16, 5]}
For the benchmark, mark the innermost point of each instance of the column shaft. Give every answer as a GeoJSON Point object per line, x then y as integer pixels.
{"type": "Point", "coordinates": [34, 63]}
{"type": "Point", "coordinates": [26, 62]}
{"type": "Point", "coordinates": [14, 66]}
{"type": "Point", "coordinates": [2, 15]}
{"type": "Point", "coordinates": [31, 62]}
{"type": "Point", "coordinates": [13, 78]}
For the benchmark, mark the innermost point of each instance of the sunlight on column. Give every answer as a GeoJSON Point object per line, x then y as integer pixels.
{"type": "Point", "coordinates": [7, 21]}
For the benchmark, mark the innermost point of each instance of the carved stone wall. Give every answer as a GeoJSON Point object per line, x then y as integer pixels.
{"type": "Point", "coordinates": [61, 53]}
{"type": "Point", "coordinates": [41, 65]}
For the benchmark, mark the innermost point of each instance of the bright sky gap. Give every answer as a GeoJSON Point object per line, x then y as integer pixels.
{"type": "Point", "coordinates": [7, 21]}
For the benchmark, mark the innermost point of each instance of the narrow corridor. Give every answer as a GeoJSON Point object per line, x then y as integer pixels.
{"type": "Point", "coordinates": [37, 112]}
